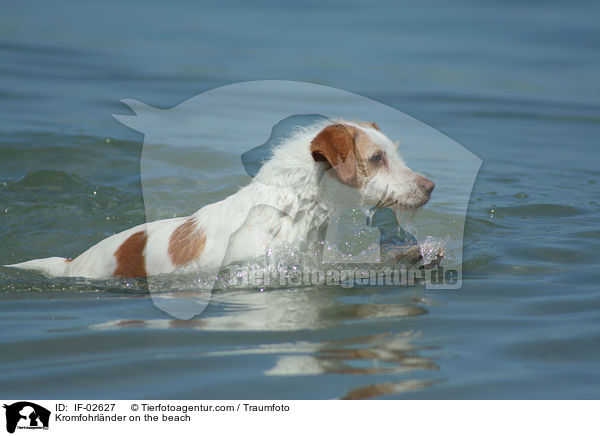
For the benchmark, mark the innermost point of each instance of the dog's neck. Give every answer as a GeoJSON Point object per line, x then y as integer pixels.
{"type": "Point", "coordinates": [285, 198]}
{"type": "Point", "coordinates": [292, 170]}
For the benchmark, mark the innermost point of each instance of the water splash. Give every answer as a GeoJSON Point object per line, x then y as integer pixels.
{"type": "Point", "coordinates": [404, 218]}
{"type": "Point", "coordinates": [432, 249]}
{"type": "Point", "coordinates": [370, 213]}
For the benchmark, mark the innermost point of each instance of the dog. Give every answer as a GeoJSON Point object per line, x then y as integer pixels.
{"type": "Point", "coordinates": [283, 204]}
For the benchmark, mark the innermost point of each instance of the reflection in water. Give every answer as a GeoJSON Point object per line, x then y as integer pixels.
{"type": "Point", "coordinates": [374, 354]}
{"type": "Point", "coordinates": [391, 353]}
{"type": "Point", "coordinates": [380, 389]}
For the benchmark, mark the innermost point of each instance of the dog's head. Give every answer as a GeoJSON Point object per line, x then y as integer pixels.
{"type": "Point", "coordinates": [360, 156]}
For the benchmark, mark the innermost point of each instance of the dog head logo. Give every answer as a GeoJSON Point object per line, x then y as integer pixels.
{"type": "Point", "coordinates": [193, 148]}
{"type": "Point", "coordinates": [26, 415]}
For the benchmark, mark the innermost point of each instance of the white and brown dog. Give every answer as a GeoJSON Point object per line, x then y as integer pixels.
{"type": "Point", "coordinates": [282, 205]}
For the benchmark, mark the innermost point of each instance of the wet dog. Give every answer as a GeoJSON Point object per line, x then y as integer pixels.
{"type": "Point", "coordinates": [284, 204]}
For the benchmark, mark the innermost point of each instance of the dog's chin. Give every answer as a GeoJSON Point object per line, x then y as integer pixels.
{"type": "Point", "coordinates": [402, 204]}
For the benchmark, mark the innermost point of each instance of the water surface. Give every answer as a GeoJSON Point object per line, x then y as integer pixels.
{"type": "Point", "coordinates": [517, 84]}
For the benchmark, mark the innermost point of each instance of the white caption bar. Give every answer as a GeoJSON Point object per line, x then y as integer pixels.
{"type": "Point", "coordinates": [301, 417]}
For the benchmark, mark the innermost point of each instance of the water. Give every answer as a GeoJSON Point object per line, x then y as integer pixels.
{"type": "Point", "coordinates": [517, 84]}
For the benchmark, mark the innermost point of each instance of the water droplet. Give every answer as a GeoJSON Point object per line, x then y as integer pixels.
{"type": "Point", "coordinates": [370, 215]}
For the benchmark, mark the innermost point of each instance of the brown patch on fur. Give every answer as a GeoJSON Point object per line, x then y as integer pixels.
{"type": "Point", "coordinates": [130, 257]}
{"type": "Point", "coordinates": [186, 243]}
{"type": "Point", "coordinates": [335, 145]}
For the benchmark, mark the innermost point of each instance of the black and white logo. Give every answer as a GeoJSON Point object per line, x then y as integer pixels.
{"type": "Point", "coordinates": [26, 415]}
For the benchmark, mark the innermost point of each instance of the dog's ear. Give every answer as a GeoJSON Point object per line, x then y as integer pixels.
{"type": "Point", "coordinates": [335, 145]}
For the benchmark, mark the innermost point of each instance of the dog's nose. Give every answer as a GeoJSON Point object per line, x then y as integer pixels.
{"type": "Point", "coordinates": [426, 185]}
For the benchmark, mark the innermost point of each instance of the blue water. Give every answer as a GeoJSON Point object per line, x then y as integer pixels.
{"type": "Point", "coordinates": [515, 83]}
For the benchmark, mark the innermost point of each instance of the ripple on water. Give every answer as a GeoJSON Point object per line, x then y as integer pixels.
{"type": "Point", "coordinates": [541, 210]}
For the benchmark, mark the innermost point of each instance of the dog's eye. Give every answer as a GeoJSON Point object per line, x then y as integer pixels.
{"type": "Point", "coordinates": [377, 157]}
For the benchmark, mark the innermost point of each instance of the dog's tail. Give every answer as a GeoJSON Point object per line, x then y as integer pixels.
{"type": "Point", "coordinates": [50, 266]}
